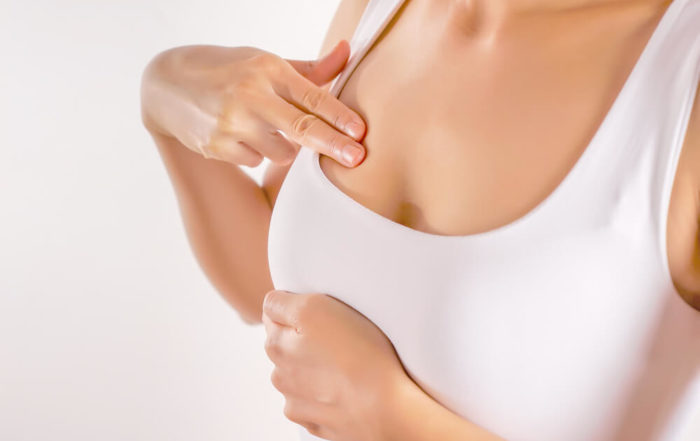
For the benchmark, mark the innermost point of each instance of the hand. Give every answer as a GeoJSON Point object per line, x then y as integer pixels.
{"type": "Point", "coordinates": [240, 104]}
{"type": "Point", "coordinates": [336, 369]}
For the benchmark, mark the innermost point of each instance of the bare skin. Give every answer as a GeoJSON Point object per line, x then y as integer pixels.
{"type": "Point", "coordinates": [349, 384]}
{"type": "Point", "coordinates": [211, 109]}
{"type": "Point", "coordinates": [494, 39]}
{"type": "Point", "coordinates": [214, 195]}
{"type": "Point", "coordinates": [508, 141]}
{"type": "Point", "coordinates": [335, 396]}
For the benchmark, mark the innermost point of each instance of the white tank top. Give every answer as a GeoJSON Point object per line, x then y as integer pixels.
{"type": "Point", "coordinates": [563, 325]}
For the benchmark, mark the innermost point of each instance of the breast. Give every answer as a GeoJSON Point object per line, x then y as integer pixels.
{"type": "Point", "coordinates": [466, 146]}
{"type": "Point", "coordinates": [506, 330]}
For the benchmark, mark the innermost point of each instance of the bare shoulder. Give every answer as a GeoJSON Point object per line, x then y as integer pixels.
{"type": "Point", "coordinates": [684, 234]}
{"type": "Point", "coordinates": [691, 162]}
{"type": "Point", "coordinates": [694, 167]}
{"type": "Point", "coordinates": [341, 27]}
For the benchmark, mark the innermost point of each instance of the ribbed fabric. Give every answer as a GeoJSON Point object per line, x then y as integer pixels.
{"type": "Point", "coordinates": [563, 325]}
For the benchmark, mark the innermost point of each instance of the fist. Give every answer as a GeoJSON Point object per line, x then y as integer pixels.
{"type": "Point", "coordinates": [335, 368]}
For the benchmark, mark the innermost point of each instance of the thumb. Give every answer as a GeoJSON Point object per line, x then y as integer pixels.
{"type": "Point", "coordinates": [324, 69]}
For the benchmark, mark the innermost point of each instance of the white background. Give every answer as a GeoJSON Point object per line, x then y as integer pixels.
{"type": "Point", "coordinates": [108, 328]}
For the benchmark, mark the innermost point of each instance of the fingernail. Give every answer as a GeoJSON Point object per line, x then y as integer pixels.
{"type": "Point", "coordinates": [354, 129]}
{"type": "Point", "coordinates": [351, 154]}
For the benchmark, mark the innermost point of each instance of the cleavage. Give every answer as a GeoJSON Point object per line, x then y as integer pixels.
{"type": "Point", "coordinates": [464, 146]}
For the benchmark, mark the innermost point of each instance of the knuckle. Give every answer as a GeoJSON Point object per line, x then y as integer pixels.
{"type": "Point", "coordinates": [213, 149]}
{"type": "Point", "coordinates": [230, 120]}
{"type": "Point", "coordinates": [277, 380]}
{"type": "Point", "coordinates": [269, 64]}
{"type": "Point", "coordinates": [211, 152]}
{"type": "Point", "coordinates": [313, 98]}
{"type": "Point", "coordinates": [264, 60]}
{"type": "Point", "coordinates": [291, 412]}
{"type": "Point", "coordinates": [337, 120]}
{"type": "Point", "coordinates": [329, 397]}
{"type": "Point", "coordinates": [245, 82]}
{"type": "Point", "coordinates": [242, 89]}
{"type": "Point", "coordinates": [302, 124]}
{"type": "Point", "coordinates": [272, 348]}
{"type": "Point", "coordinates": [335, 145]}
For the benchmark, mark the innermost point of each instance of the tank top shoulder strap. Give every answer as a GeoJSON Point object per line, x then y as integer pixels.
{"type": "Point", "coordinates": [668, 76]}
{"type": "Point", "coordinates": [668, 89]}
{"type": "Point", "coordinates": [632, 168]}
{"type": "Point", "coordinates": [376, 16]}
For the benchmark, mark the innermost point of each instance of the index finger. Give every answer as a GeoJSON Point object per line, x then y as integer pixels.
{"type": "Point", "coordinates": [299, 90]}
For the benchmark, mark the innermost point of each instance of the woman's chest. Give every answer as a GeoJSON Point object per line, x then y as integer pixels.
{"type": "Point", "coordinates": [460, 142]}
{"type": "Point", "coordinates": [485, 326]}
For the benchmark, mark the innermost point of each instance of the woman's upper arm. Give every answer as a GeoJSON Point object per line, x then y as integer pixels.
{"type": "Point", "coordinates": [342, 26]}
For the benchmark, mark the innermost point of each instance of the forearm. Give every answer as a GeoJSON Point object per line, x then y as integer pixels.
{"type": "Point", "coordinates": [412, 415]}
{"type": "Point", "coordinates": [226, 215]}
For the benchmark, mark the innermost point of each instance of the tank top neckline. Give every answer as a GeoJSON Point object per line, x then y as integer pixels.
{"type": "Point", "coordinates": [667, 19]}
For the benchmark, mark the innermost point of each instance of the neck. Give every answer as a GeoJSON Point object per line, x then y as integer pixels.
{"type": "Point", "coordinates": [483, 20]}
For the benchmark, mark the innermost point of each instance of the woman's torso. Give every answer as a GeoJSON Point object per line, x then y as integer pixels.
{"type": "Point", "coordinates": [501, 139]}
{"type": "Point", "coordinates": [549, 313]}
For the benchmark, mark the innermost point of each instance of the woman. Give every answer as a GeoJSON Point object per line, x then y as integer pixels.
{"type": "Point", "coordinates": [553, 297]}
